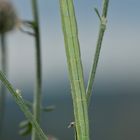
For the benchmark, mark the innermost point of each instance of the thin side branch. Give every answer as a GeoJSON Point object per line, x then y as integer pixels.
{"type": "Point", "coordinates": [103, 21]}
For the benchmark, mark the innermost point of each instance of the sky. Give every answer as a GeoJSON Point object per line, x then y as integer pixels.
{"type": "Point", "coordinates": [119, 59]}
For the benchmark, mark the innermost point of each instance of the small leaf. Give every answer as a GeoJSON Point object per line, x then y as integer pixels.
{"type": "Point", "coordinates": [28, 25]}
{"type": "Point", "coordinates": [48, 108]}
{"type": "Point", "coordinates": [97, 12]}
{"type": "Point", "coordinates": [26, 128]}
{"type": "Point", "coordinates": [23, 123]}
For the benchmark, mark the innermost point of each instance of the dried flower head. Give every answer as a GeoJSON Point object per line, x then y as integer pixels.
{"type": "Point", "coordinates": [8, 17]}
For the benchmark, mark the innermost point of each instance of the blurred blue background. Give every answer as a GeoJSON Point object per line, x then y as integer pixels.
{"type": "Point", "coordinates": [115, 108]}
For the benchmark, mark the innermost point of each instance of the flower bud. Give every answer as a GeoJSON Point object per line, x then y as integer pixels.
{"type": "Point", "coordinates": [8, 17]}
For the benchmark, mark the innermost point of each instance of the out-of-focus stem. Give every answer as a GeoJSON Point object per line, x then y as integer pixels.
{"type": "Point", "coordinates": [38, 85]}
{"type": "Point", "coordinates": [3, 54]}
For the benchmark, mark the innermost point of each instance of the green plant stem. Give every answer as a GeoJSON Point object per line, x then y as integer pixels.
{"type": "Point", "coordinates": [98, 48]}
{"type": "Point", "coordinates": [22, 105]}
{"type": "Point", "coordinates": [4, 69]}
{"type": "Point", "coordinates": [75, 68]}
{"type": "Point", "coordinates": [4, 55]}
{"type": "Point", "coordinates": [38, 90]}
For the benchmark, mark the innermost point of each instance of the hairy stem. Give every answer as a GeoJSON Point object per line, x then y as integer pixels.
{"type": "Point", "coordinates": [98, 48]}
{"type": "Point", "coordinates": [22, 105]}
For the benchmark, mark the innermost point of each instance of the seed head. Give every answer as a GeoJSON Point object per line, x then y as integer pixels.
{"type": "Point", "coordinates": [8, 17]}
